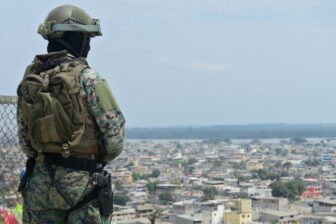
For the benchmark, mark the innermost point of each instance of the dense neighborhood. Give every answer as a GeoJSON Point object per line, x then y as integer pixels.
{"type": "Point", "coordinates": [213, 181]}
{"type": "Point", "coordinates": [224, 181]}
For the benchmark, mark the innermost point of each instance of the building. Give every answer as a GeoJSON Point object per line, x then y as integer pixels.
{"type": "Point", "coordinates": [212, 212]}
{"type": "Point", "coordinates": [242, 205]}
{"type": "Point", "coordinates": [312, 192]}
{"type": "Point", "coordinates": [144, 210]}
{"type": "Point", "coordinates": [270, 203]}
{"type": "Point", "coordinates": [237, 218]}
{"type": "Point", "coordinates": [324, 205]}
{"type": "Point", "coordinates": [188, 219]}
{"type": "Point", "coordinates": [123, 214]}
{"type": "Point", "coordinates": [281, 217]}
{"type": "Point", "coordinates": [241, 212]}
{"type": "Point", "coordinates": [254, 165]}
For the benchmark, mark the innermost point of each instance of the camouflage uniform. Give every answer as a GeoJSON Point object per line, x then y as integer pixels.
{"type": "Point", "coordinates": [48, 197]}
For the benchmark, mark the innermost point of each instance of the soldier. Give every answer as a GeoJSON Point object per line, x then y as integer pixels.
{"type": "Point", "coordinates": [69, 126]}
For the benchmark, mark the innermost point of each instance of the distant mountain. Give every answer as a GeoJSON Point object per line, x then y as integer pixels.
{"type": "Point", "coordinates": [254, 131]}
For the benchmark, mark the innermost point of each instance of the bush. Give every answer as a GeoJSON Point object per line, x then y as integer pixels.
{"type": "Point", "coordinates": [165, 197]}
{"type": "Point", "coordinates": [120, 199]}
{"type": "Point", "coordinates": [291, 190]}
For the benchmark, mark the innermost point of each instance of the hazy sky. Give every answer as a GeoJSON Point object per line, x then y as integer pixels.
{"type": "Point", "coordinates": [198, 62]}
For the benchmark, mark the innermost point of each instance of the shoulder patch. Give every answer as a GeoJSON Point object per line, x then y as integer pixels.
{"type": "Point", "coordinates": [104, 93]}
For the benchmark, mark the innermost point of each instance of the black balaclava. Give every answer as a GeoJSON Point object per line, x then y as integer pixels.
{"type": "Point", "coordinates": [76, 43]}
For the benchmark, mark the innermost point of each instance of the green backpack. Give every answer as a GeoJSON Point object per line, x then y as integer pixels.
{"type": "Point", "coordinates": [52, 108]}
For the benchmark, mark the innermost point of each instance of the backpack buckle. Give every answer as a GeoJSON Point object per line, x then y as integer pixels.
{"type": "Point", "coordinates": [65, 150]}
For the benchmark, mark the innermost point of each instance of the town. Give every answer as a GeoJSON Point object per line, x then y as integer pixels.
{"type": "Point", "coordinates": [212, 181]}
{"type": "Point", "coordinates": [223, 181]}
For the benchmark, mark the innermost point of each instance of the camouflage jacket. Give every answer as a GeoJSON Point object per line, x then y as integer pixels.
{"type": "Point", "coordinates": [111, 122]}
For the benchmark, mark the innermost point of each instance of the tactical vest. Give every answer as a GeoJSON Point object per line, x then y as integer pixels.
{"type": "Point", "coordinates": [54, 110]}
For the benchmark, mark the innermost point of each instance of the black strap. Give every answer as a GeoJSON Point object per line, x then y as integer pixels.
{"type": "Point", "coordinates": [30, 164]}
{"type": "Point", "coordinates": [91, 166]}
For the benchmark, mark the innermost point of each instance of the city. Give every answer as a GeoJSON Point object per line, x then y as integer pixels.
{"type": "Point", "coordinates": [234, 182]}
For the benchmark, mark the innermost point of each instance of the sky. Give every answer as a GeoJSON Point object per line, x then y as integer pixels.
{"type": "Point", "coordinates": [196, 62]}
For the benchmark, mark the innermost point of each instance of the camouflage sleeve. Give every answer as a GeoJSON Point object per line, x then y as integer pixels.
{"type": "Point", "coordinates": [23, 135]}
{"type": "Point", "coordinates": [105, 111]}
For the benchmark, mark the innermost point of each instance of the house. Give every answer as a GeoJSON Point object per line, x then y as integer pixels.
{"type": "Point", "coordinates": [270, 203]}
{"type": "Point", "coordinates": [324, 205]}
{"type": "Point", "coordinates": [121, 213]}
{"type": "Point", "coordinates": [281, 217]}
{"type": "Point", "coordinates": [241, 212]}
{"type": "Point", "coordinates": [237, 218]}
{"type": "Point", "coordinates": [188, 219]}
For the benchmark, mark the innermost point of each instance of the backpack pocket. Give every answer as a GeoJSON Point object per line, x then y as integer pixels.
{"type": "Point", "coordinates": [54, 125]}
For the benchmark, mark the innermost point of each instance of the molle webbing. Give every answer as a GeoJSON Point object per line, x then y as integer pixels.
{"type": "Point", "coordinates": [55, 110]}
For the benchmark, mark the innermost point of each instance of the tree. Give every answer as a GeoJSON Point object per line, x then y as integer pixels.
{"type": "Point", "coordinates": [312, 162]}
{"type": "Point", "coordinates": [278, 151]}
{"type": "Point", "coordinates": [156, 214]}
{"type": "Point", "coordinates": [118, 185]}
{"type": "Point", "coordinates": [264, 174]}
{"type": "Point", "coordinates": [136, 176]}
{"type": "Point", "coordinates": [192, 161]}
{"type": "Point", "coordinates": [165, 197]}
{"type": "Point", "coordinates": [287, 165]}
{"type": "Point", "coordinates": [120, 199]}
{"type": "Point", "coordinates": [291, 190]}
{"type": "Point", "coordinates": [209, 193]}
{"type": "Point", "coordinates": [151, 186]}
{"type": "Point", "coordinates": [155, 173]}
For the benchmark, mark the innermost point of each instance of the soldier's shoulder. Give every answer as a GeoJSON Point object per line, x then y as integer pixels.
{"type": "Point", "coordinates": [89, 79]}
{"type": "Point", "coordinates": [89, 73]}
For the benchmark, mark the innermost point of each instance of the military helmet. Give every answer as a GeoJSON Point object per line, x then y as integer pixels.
{"type": "Point", "coordinates": [68, 18]}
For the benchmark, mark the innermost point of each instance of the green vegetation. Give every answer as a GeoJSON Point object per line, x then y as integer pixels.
{"type": "Point", "coordinates": [264, 174]}
{"type": "Point", "coordinates": [165, 197]}
{"type": "Point", "coordinates": [118, 185]}
{"type": "Point", "coordinates": [191, 161]}
{"type": "Point", "coordinates": [209, 193]}
{"type": "Point", "coordinates": [312, 162]}
{"type": "Point", "coordinates": [137, 176]}
{"type": "Point", "coordinates": [120, 199]}
{"type": "Point", "coordinates": [155, 173]}
{"type": "Point", "coordinates": [151, 186]}
{"type": "Point", "coordinates": [291, 190]}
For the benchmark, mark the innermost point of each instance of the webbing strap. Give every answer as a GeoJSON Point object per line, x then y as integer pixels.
{"type": "Point", "coordinates": [91, 166]}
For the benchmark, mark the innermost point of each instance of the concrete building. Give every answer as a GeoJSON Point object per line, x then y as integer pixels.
{"type": "Point", "coordinates": [324, 205]}
{"type": "Point", "coordinates": [188, 219]}
{"type": "Point", "coordinates": [270, 203]}
{"type": "Point", "coordinates": [281, 217]}
{"type": "Point", "coordinates": [184, 207]}
{"type": "Point", "coordinates": [241, 212]}
{"type": "Point", "coordinates": [144, 210]}
{"type": "Point", "coordinates": [242, 205]}
{"type": "Point", "coordinates": [123, 214]}
{"type": "Point", "coordinates": [212, 212]}
{"type": "Point", "coordinates": [237, 218]}
{"type": "Point", "coordinates": [254, 165]}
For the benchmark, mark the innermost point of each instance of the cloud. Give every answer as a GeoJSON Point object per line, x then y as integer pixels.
{"type": "Point", "coordinates": [210, 67]}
